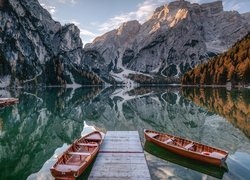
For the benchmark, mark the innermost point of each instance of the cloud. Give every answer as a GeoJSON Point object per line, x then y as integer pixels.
{"type": "Point", "coordinates": [85, 32]}
{"type": "Point", "coordinates": [75, 22]}
{"type": "Point", "coordinates": [51, 9]}
{"type": "Point", "coordinates": [241, 6]}
{"type": "Point", "coordinates": [87, 36]}
{"type": "Point", "coordinates": [50, 5]}
{"type": "Point", "coordinates": [67, 1]}
{"type": "Point", "coordinates": [144, 10]}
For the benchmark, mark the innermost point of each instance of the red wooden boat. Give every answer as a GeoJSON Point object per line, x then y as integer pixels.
{"type": "Point", "coordinates": [187, 148]}
{"type": "Point", "coordinates": [77, 157]}
{"type": "Point", "coordinates": [8, 101]}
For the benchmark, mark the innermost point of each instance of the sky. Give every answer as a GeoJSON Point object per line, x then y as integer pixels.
{"type": "Point", "coordinates": [95, 17]}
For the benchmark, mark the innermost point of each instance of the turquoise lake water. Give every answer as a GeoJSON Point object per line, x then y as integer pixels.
{"type": "Point", "coordinates": [45, 119]}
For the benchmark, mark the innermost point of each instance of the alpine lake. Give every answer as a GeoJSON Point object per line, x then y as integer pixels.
{"type": "Point", "coordinates": [45, 119]}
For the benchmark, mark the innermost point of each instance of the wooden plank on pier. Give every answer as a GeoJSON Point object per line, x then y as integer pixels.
{"type": "Point", "coordinates": [121, 157]}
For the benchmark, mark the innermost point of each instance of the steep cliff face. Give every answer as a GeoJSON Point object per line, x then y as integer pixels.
{"type": "Point", "coordinates": [176, 38]}
{"type": "Point", "coordinates": [105, 54]}
{"type": "Point", "coordinates": [35, 49]}
{"type": "Point", "coordinates": [229, 68]}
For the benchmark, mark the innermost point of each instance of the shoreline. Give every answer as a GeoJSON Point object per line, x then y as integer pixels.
{"type": "Point", "coordinates": [141, 85]}
{"type": "Point", "coordinates": [217, 86]}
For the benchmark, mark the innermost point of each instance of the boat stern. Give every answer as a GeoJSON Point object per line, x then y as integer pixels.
{"type": "Point", "coordinates": [68, 174]}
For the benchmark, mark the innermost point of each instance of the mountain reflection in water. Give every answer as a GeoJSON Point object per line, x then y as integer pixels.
{"type": "Point", "coordinates": [46, 119]}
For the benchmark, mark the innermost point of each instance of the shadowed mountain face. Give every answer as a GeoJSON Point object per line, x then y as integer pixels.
{"type": "Point", "coordinates": [233, 105]}
{"type": "Point", "coordinates": [45, 119]}
{"type": "Point", "coordinates": [35, 49]}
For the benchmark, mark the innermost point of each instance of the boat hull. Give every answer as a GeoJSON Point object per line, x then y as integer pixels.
{"type": "Point", "coordinates": [78, 157]}
{"type": "Point", "coordinates": [198, 166]}
{"type": "Point", "coordinates": [187, 153]}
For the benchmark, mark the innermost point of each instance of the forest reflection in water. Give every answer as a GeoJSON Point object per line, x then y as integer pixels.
{"type": "Point", "coordinates": [46, 119]}
{"type": "Point", "coordinates": [234, 105]}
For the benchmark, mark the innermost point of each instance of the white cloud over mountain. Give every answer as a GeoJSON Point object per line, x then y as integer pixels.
{"type": "Point", "coordinates": [51, 9]}
{"type": "Point", "coordinates": [143, 12]}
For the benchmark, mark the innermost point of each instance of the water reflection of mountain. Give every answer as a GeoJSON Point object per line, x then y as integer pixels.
{"type": "Point", "coordinates": [34, 128]}
{"type": "Point", "coordinates": [234, 105]}
{"type": "Point", "coordinates": [45, 119]}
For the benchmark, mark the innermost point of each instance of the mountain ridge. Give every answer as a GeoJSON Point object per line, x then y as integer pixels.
{"type": "Point", "coordinates": [176, 38]}
{"type": "Point", "coordinates": [36, 50]}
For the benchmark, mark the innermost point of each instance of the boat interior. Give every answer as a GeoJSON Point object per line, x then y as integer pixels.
{"type": "Point", "coordinates": [78, 153]}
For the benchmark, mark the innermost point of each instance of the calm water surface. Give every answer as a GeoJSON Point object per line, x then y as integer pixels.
{"type": "Point", "coordinates": [45, 119]}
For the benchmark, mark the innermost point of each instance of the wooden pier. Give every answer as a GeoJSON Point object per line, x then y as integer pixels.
{"type": "Point", "coordinates": [121, 157]}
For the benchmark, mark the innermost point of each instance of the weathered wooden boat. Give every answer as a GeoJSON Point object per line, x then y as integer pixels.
{"type": "Point", "coordinates": [77, 157]}
{"type": "Point", "coordinates": [8, 101]}
{"type": "Point", "coordinates": [205, 168]}
{"type": "Point", "coordinates": [187, 148]}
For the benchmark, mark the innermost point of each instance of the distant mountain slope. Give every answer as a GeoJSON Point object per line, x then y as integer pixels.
{"type": "Point", "coordinates": [177, 37]}
{"type": "Point", "coordinates": [232, 66]}
{"type": "Point", "coordinates": [35, 49]}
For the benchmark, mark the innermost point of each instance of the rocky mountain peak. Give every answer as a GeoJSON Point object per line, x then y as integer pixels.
{"type": "Point", "coordinates": [123, 33]}
{"type": "Point", "coordinates": [129, 27]}
{"type": "Point", "coordinates": [68, 42]}
{"type": "Point", "coordinates": [178, 10]}
{"type": "Point", "coordinates": [176, 5]}
{"type": "Point", "coordinates": [212, 8]}
{"type": "Point", "coordinates": [178, 36]}
{"type": "Point", "coordinates": [169, 15]}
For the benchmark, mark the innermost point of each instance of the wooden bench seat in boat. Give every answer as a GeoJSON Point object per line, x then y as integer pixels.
{"type": "Point", "coordinates": [153, 135]}
{"type": "Point", "coordinates": [93, 137]}
{"type": "Point", "coordinates": [189, 146]}
{"type": "Point", "coordinates": [65, 167]}
{"type": "Point", "coordinates": [86, 144]}
{"type": "Point", "coordinates": [79, 153]}
{"type": "Point", "coordinates": [169, 141]}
